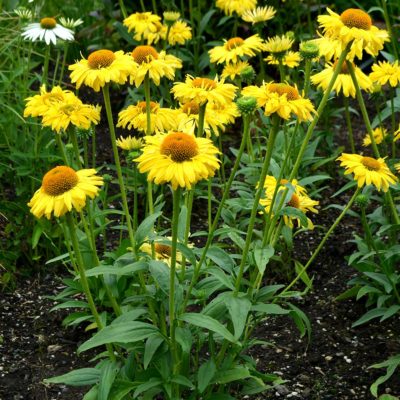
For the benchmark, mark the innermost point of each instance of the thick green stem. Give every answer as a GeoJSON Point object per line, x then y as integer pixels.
{"type": "Point", "coordinates": [60, 145]}
{"type": "Point", "coordinates": [348, 123]}
{"type": "Point", "coordinates": [307, 74]}
{"type": "Point", "coordinates": [84, 281]}
{"type": "Point", "coordinates": [260, 189]}
{"type": "Point", "coordinates": [322, 243]}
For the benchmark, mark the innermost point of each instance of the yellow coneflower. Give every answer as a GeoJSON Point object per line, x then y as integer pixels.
{"type": "Point", "coordinates": [178, 158]}
{"type": "Point", "coordinates": [232, 71]}
{"type": "Point", "coordinates": [278, 45]}
{"type": "Point", "coordinates": [179, 33]}
{"type": "Point", "coordinates": [64, 189]}
{"type": "Point", "coordinates": [235, 6]}
{"type": "Point", "coordinates": [291, 59]}
{"type": "Point", "coordinates": [354, 25]}
{"type": "Point", "coordinates": [142, 24]}
{"type": "Point", "coordinates": [259, 14]}
{"type": "Point", "coordinates": [162, 252]}
{"type": "Point", "coordinates": [343, 82]}
{"type": "Point", "coordinates": [157, 65]}
{"type": "Point", "coordinates": [328, 48]}
{"type": "Point", "coordinates": [202, 90]}
{"type": "Point", "coordinates": [282, 99]}
{"type": "Point", "coordinates": [379, 136]}
{"type": "Point", "coordinates": [368, 170]}
{"type": "Point", "coordinates": [135, 117]}
{"type": "Point", "coordinates": [384, 72]}
{"type": "Point", "coordinates": [234, 49]}
{"type": "Point", "coordinates": [129, 143]}
{"type": "Point", "coordinates": [100, 68]}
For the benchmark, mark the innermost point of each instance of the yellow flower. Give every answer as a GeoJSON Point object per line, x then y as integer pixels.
{"type": "Point", "coordinates": [60, 115]}
{"type": "Point", "coordinates": [278, 45]}
{"type": "Point", "coordinates": [328, 48]}
{"type": "Point", "coordinates": [163, 252]}
{"type": "Point", "coordinates": [100, 68]}
{"type": "Point", "coordinates": [37, 105]}
{"type": "Point", "coordinates": [148, 61]}
{"type": "Point", "coordinates": [178, 158]}
{"type": "Point", "coordinates": [354, 25]}
{"type": "Point", "coordinates": [259, 14]}
{"type": "Point", "coordinates": [64, 189]}
{"type": "Point", "coordinates": [238, 6]}
{"type": "Point", "coordinates": [379, 136]}
{"type": "Point", "coordinates": [385, 72]}
{"type": "Point", "coordinates": [179, 33]}
{"type": "Point", "coordinates": [232, 71]}
{"type": "Point", "coordinates": [234, 49]}
{"type": "Point", "coordinates": [129, 143]}
{"type": "Point", "coordinates": [171, 16]}
{"type": "Point", "coordinates": [343, 82]}
{"type": "Point", "coordinates": [161, 119]}
{"type": "Point", "coordinates": [368, 170]}
{"type": "Point", "coordinates": [290, 58]}
{"type": "Point", "coordinates": [282, 99]}
{"type": "Point", "coordinates": [202, 90]}
{"type": "Point", "coordinates": [298, 199]}
{"type": "Point", "coordinates": [396, 135]}
{"type": "Point", "coordinates": [142, 24]}
{"type": "Point", "coordinates": [216, 117]}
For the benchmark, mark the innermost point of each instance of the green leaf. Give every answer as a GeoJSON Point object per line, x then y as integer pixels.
{"type": "Point", "coordinates": [153, 382]}
{"type": "Point", "coordinates": [392, 310]}
{"type": "Point", "coordinates": [108, 373]}
{"type": "Point", "coordinates": [37, 233]}
{"type": "Point", "coordinates": [262, 257]}
{"type": "Point", "coordinates": [182, 224]}
{"type": "Point", "coordinates": [226, 280]}
{"type": "Point", "coordinates": [238, 308]}
{"type": "Point", "coordinates": [121, 389]}
{"type": "Point", "coordinates": [231, 375]}
{"type": "Point", "coordinates": [221, 258]}
{"type": "Point", "coordinates": [391, 364]}
{"type": "Point", "coordinates": [304, 276]}
{"type": "Point", "coordinates": [150, 348]}
{"type": "Point", "coordinates": [301, 320]}
{"type": "Point", "coordinates": [146, 228]}
{"type": "Point", "coordinates": [79, 377]}
{"type": "Point", "coordinates": [295, 213]}
{"type": "Point", "coordinates": [71, 304]}
{"type": "Point", "coordinates": [371, 314]}
{"type": "Point", "coordinates": [270, 309]}
{"type": "Point", "coordinates": [119, 271]}
{"type": "Point", "coordinates": [205, 20]}
{"type": "Point", "coordinates": [388, 397]}
{"type": "Point", "coordinates": [205, 375]}
{"type": "Point", "coordinates": [206, 322]}
{"type": "Point", "coordinates": [161, 274]}
{"type": "Point", "coordinates": [128, 332]}
{"type": "Point", "coordinates": [182, 380]}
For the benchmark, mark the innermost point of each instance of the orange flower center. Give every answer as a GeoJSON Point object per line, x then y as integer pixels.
{"type": "Point", "coordinates": [101, 59]}
{"type": "Point", "coordinates": [163, 249]}
{"type": "Point", "coordinates": [142, 106]}
{"type": "Point", "coordinates": [48, 23]}
{"type": "Point", "coordinates": [284, 181]}
{"type": "Point", "coordinates": [371, 164]}
{"type": "Point", "coordinates": [344, 69]}
{"type": "Point", "coordinates": [191, 108]}
{"type": "Point", "coordinates": [144, 54]}
{"type": "Point", "coordinates": [59, 180]}
{"type": "Point", "coordinates": [355, 18]}
{"type": "Point", "coordinates": [204, 83]}
{"type": "Point", "coordinates": [282, 88]}
{"type": "Point", "coordinates": [294, 201]}
{"type": "Point", "coordinates": [179, 146]}
{"type": "Point", "coordinates": [234, 42]}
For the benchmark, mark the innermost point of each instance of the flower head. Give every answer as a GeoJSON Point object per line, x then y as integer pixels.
{"type": "Point", "coordinates": [384, 72]}
{"type": "Point", "coordinates": [202, 90]}
{"type": "Point", "coordinates": [259, 14]}
{"type": "Point", "coordinates": [379, 136]}
{"type": "Point", "coordinates": [70, 23]}
{"type": "Point", "coordinates": [278, 45]}
{"type": "Point", "coordinates": [24, 13]}
{"type": "Point", "coordinates": [135, 116]}
{"type": "Point", "coordinates": [157, 65]}
{"type": "Point", "coordinates": [354, 25]}
{"type": "Point", "coordinates": [179, 33]}
{"type": "Point", "coordinates": [343, 82]}
{"type": "Point", "coordinates": [234, 70]}
{"type": "Point", "coordinates": [235, 48]}
{"type": "Point", "coordinates": [143, 24]}
{"type": "Point", "coordinates": [64, 189]}
{"type": "Point", "coordinates": [178, 158]}
{"type": "Point", "coordinates": [129, 143]}
{"type": "Point", "coordinates": [368, 170]}
{"type": "Point", "coordinates": [291, 59]}
{"type": "Point", "coordinates": [237, 6]}
{"type": "Point", "coordinates": [101, 68]}
{"type": "Point", "coordinates": [171, 16]}
{"type": "Point", "coordinates": [282, 99]}
{"type": "Point", "coordinates": [47, 30]}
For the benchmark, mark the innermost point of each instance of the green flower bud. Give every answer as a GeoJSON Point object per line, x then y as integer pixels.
{"type": "Point", "coordinates": [107, 178]}
{"type": "Point", "coordinates": [362, 201]}
{"type": "Point", "coordinates": [246, 105]}
{"type": "Point", "coordinates": [170, 17]}
{"type": "Point", "coordinates": [247, 74]}
{"type": "Point", "coordinates": [309, 50]}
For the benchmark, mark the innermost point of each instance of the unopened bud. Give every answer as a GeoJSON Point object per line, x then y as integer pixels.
{"type": "Point", "coordinates": [308, 50]}
{"type": "Point", "coordinates": [246, 105]}
{"type": "Point", "coordinates": [247, 74]}
{"type": "Point", "coordinates": [361, 201]}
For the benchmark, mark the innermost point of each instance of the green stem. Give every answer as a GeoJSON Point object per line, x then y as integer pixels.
{"type": "Point", "coordinates": [322, 243]}
{"type": "Point", "coordinates": [46, 64]}
{"type": "Point", "coordinates": [348, 123]}
{"type": "Point", "coordinates": [393, 120]}
{"type": "Point", "coordinates": [307, 74]}
{"type": "Point", "coordinates": [66, 47]}
{"type": "Point", "coordinates": [74, 139]}
{"type": "Point", "coordinates": [56, 67]}
{"type": "Point", "coordinates": [225, 195]}
{"type": "Point", "coordinates": [84, 281]}
{"type": "Point", "coordinates": [390, 29]}
{"type": "Point", "coordinates": [123, 9]}
{"type": "Point", "coordinates": [202, 115]}
{"type": "Point", "coordinates": [60, 145]}
{"type": "Point", "coordinates": [260, 189]}
{"type": "Point", "coordinates": [189, 207]}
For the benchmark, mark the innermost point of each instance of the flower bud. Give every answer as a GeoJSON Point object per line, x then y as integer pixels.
{"type": "Point", "coordinates": [170, 17]}
{"type": "Point", "coordinates": [246, 105]}
{"type": "Point", "coordinates": [362, 201]}
{"type": "Point", "coordinates": [309, 50]}
{"type": "Point", "coordinates": [247, 74]}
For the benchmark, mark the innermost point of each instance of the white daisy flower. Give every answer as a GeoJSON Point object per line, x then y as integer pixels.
{"type": "Point", "coordinates": [70, 23]}
{"type": "Point", "coordinates": [48, 30]}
